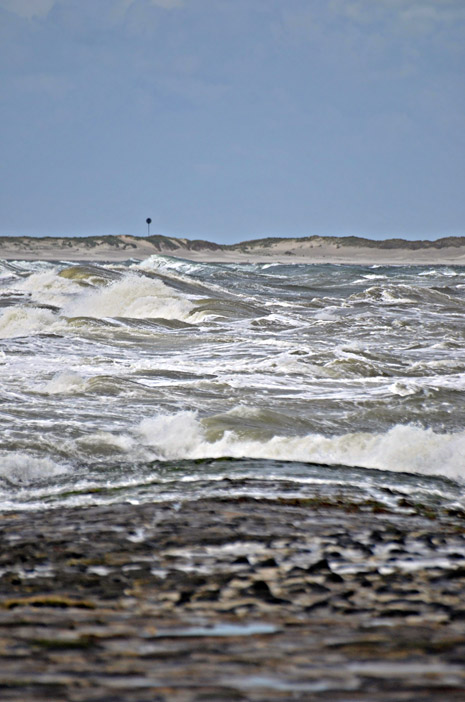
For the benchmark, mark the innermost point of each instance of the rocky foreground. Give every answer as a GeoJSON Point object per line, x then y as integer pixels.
{"type": "Point", "coordinates": [311, 249]}
{"type": "Point", "coordinates": [233, 599]}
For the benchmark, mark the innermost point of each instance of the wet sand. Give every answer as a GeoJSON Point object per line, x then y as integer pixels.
{"type": "Point", "coordinates": [233, 599]}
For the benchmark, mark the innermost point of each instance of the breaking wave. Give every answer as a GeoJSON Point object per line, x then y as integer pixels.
{"type": "Point", "coordinates": [26, 321]}
{"type": "Point", "coordinates": [402, 448]}
{"type": "Point", "coordinates": [22, 469]}
{"type": "Point", "coordinates": [132, 296]}
{"type": "Point", "coordinates": [102, 369]}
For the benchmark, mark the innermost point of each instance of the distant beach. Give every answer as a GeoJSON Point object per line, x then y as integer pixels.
{"type": "Point", "coordinates": [313, 249]}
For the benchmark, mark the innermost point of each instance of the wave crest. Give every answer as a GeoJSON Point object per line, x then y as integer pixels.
{"type": "Point", "coordinates": [132, 296]}
{"type": "Point", "coordinates": [401, 449]}
{"type": "Point", "coordinates": [26, 321]}
{"type": "Point", "coordinates": [23, 469]}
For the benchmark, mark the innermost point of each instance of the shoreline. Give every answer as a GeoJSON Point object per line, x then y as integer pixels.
{"type": "Point", "coordinates": [318, 250]}
{"type": "Point", "coordinates": [358, 258]}
{"type": "Point", "coordinates": [232, 599]}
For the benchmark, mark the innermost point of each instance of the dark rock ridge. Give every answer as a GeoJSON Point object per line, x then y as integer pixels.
{"type": "Point", "coordinates": [233, 599]}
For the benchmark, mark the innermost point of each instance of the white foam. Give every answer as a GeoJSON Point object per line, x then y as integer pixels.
{"type": "Point", "coordinates": [22, 469]}
{"type": "Point", "coordinates": [183, 270]}
{"type": "Point", "coordinates": [389, 296]}
{"type": "Point", "coordinates": [393, 297]}
{"type": "Point", "coordinates": [402, 448]}
{"type": "Point", "coordinates": [403, 388]}
{"type": "Point", "coordinates": [26, 321]}
{"type": "Point", "coordinates": [46, 287]}
{"type": "Point", "coordinates": [175, 436]}
{"type": "Point", "coordinates": [368, 276]}
{"type": "Point", "coordinates": [168, 263]}
{"type": "Point", "coordinates": [133, 296]}
{"type": "Point", "coordinates": [104, 442]}
{"type": "Point", "coordinates": [64, 383]}
{"type": "Point", "coordinates": [328, 314]}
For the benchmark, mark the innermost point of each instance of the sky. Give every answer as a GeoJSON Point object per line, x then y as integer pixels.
{"type": "Point", "coordinates": [229, 120]}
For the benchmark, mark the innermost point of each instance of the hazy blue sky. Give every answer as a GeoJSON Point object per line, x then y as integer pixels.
{"type": "Point", "coordinates": [233, 119]}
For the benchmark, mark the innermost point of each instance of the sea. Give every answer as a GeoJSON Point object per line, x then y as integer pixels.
{"type": "Point", "coordinates": [167, 380]}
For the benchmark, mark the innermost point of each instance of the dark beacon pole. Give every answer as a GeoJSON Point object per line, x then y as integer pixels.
{"type": "Point", "coordinates": [149, 222]}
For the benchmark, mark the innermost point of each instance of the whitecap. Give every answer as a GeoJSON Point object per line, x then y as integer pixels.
{"type": "Point", "coordinates": [26, 321]}
{"type": "Point", "coordinates": [174, 436]}
{"type": "Point", "coordinates": [105, 442]}
{"type": "Point", "coordinates": [403, 448]}
{"type": "Point", "coordinates": [133, 296]}
{"type": "Point", "coordinates": [65, 382]}
{"type": "Point", "coordinates": [404, 388]}
{"type": "Point", "coordinates": [47, 287]}
{"type": "Point", "coordinates": [23, 469]}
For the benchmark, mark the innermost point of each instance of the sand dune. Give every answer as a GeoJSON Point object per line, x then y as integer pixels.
{"type": "Point", "coordinates": [314, 249]}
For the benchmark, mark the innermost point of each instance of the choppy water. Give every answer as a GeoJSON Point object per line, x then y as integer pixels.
{"type": "Point", "coordinates": [131, 381]}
